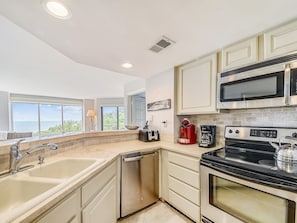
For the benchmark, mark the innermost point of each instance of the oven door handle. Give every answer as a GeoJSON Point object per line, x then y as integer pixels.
{"type": "Point", "coordinates": [254, 177]}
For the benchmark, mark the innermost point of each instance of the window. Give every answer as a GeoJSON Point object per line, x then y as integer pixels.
{"type": "Point", "coordinates": [50, 119]}
{"type": "Point", "coordinates": [112, 118]}
{"type": "Point", "coordinates": [72, 118]}
{"type": "Point", "coordinates": [46, 116]}
{"type": "Point", "coordinates": [138, 109]}
{"type": "Point", "coordinates": [25, 117]}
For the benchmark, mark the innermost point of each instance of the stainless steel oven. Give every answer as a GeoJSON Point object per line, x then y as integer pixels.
{"type": "Point", "coordinates": [242, 183]}
{"type": "Point", "coordinates": [267, 84]}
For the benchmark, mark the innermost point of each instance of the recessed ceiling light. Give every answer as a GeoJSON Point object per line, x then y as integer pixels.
{"type": "Point", "coordinates": [56, 9]}
{"type": "Point", "coordinates": [127, 65]}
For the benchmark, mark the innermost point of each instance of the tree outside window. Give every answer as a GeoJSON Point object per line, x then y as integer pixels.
{"type": "Point", "coordinates": [72, 118]}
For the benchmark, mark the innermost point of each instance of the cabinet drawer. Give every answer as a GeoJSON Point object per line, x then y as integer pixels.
{"type": "Point", "coordinates": [190, 193]}
{"type": "Point", "coordinates": [185, 161]}
{"type": "Point", "coordinates": [185, 206]}
{"type": "Point", "coordinates": [187, 176]}
{"type": "Point", "coordinates": [91, 188]}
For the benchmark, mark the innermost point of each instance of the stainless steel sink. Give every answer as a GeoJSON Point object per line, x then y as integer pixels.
{"type": "Point", "coordinates": [62, 169]}
{"type": "Point", "coordinates": [15, 192]}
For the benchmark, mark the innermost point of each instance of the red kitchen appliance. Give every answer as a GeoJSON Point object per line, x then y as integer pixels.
{"type": "Point", "coordinates": [187, 133]}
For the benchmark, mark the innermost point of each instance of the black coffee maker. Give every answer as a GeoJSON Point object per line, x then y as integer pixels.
{"type": "Point", "coordinates": [208, 136]}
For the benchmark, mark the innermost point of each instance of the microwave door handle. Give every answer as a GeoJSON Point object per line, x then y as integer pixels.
{"type": "Point", "coordinates": [287, 93]}
{"type": "Point", "coordinates": [287, 84]}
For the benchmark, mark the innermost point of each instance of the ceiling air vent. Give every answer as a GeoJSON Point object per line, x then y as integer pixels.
{"type": "Point", "coordinates": [162, 44]}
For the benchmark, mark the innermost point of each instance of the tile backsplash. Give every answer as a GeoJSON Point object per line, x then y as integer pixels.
{"type": "Point", "coordinates": [274, 117]}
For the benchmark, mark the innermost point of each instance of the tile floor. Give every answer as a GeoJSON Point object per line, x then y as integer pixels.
{"type": "Point", "coordinates": [157, 213]}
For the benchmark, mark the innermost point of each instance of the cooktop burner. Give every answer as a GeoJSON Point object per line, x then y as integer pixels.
{"type": "Point", "coordinates": [241, 157]}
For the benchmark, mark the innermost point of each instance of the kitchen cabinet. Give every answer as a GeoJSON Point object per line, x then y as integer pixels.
{"type": "Point", "coordinates": [103, 206]}
{"type": "Point", "coordinates": [196, 86]}
{"type": "Point", "coordinates": [280, 40]}
{"type": "Point", "coordinates": [95, 200]}
{"type": "Point", "coordinates": [99, 197]}
{"type": "Point", "coordinates": [164, 175]}
{"type": "Point", "coordinates": [242, 53]}
{"type": "Point", "coordinates": [181, 183]}
{"type": "Point", "coordinates": [66, 211]}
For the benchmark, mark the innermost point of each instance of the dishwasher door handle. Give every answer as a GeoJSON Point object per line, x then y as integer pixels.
{"type": "Point", "coordinates": [131, 159]}
{"type": "Point", "coordinates": [135, 158]}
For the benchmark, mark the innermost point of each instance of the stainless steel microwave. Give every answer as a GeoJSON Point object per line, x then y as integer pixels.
{"type": "Point", "coordinates": [272, 83]}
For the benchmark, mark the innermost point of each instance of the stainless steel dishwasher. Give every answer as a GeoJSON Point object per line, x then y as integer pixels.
{"type": "Point", "coordinates": [139, 181]}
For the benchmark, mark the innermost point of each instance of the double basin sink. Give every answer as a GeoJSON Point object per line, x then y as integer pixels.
{"type": "Point", "coordinates": [25, 186]}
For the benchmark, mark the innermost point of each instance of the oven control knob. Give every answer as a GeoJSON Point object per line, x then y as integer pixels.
{"type": "Point", "coordinates": [294, 134]}
{"type": "Point", "coordinates": [230, 131]}
{"type": "Point", "coordinates": [237, 131]}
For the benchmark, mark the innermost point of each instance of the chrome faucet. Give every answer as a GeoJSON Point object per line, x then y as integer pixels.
{"type": "Point", "coordinates": [16, 157]}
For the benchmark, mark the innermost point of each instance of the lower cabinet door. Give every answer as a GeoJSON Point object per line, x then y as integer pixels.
{"type": "Point", "coordinates": [68, 211]}
{"type": "Point", "coordinates": [103, 207]}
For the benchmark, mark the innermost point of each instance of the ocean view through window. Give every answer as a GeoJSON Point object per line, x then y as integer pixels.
{"type": "Point", "coordinates": [46, 117]}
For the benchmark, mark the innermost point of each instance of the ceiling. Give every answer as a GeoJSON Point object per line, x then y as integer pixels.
{"type": "Point", "coordinates": [106, 33]}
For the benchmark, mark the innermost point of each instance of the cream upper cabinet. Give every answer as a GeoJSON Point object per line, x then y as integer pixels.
{"type": "Point", "coordinates": [241, 53]}
{"type": "Point", "coordinates": [281, 40]}
{"type": "Point", "coordinates": [196, 86]}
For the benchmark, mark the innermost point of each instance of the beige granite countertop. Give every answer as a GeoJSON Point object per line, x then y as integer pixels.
{"type": "Point", "coordinates": [109, 152]}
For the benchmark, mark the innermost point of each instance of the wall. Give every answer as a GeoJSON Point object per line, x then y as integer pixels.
{"type": "Point", "coordinates": [132, 88]}
{"type": "Point", "coordinates": [161, 87]}
{"type": "Point", "coordinates": [280, 117]}
{"type": "Point", "coordinates": [4, 111]}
